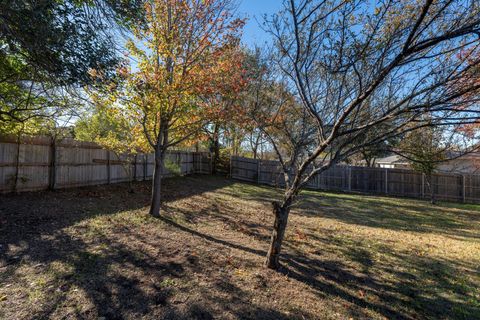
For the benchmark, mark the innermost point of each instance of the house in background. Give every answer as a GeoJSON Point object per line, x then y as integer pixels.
{"type": "Point", "coordinates": [466, 164]}
{"type": "Point", "coordinates": [393, 162]}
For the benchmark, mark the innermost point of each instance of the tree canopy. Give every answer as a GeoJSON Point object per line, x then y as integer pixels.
{"type": "Point", "coordinates": [47, 45]}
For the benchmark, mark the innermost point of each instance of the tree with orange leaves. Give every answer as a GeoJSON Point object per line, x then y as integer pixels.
{"type": "Point", "coordinates": [175, 55]}
{"type": "Point", "coordinates": [228, 82]}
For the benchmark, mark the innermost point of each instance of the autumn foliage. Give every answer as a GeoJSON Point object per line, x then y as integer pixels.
{"type": "Point", "coordinates": [177, 61]}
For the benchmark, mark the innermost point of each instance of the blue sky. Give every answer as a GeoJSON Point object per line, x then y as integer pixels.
{"type": "Point", "coordinates": [254, 11]}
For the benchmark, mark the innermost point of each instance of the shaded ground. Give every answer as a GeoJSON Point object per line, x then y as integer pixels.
{"type": "Point", "coordinates": [95, 252]}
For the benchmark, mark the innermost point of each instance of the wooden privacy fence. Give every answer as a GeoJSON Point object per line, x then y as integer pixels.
{"type": "Point", "coordinates": [395, 182]}
{"type": "Point", "coordinates": [38, 163]}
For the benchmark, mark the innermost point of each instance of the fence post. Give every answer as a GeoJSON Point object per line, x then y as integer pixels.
{"type": "Point", "coordinates": [199, 160]}
{"type": "Point", "coordinates": [349, 179]}
{"type": "Point", "coordinates": [464, 196]}
{"type": "Point", "coordinates": [17, 166]}
{"type": "Point", "coordinates": [178, 159]}
{"type": "Point", "coordinates": [386, 180]}
{"type": "Point", "coordinates": [145, 163]}
{"type": "Point", "coordinates": [258, 171]}
{"type": "Point", "coordinates": [135, 168]}
{"type": "Point", "coordinates": [52, 167]}
{"type": "Point", "coordinates": [423, 185]}
{"type": "Point", "coordinates": [194, 167]}
{"type": "Point", "coordinates": [108, 166]}
{"type": "Point", "coordinates": [211, 164]}
{"type": "Point", "coordinates": [317, 181]}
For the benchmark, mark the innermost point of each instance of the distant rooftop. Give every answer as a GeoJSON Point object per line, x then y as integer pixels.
{"type": "Point", "coordinates": [391, 159]}
{"type": "Point", "coordinates": [401, 160]}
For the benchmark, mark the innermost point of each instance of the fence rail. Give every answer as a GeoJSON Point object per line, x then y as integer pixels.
{"type": "Point", "coordinates": [394, 182]}
{"type": "Point", "coordinates": [39, 163]}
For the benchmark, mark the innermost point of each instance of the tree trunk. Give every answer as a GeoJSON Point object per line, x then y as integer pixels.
{"type": "Point", "coordinates": [130, 180]}
{"type": "Point", "coordinates": [52, 164]}
{"type": "Point", "coordinates": [430, 187]}
{"type": "Point", "coordinates": [367, 160]}
{"type": "Point", "coordinates": [281, 218]}
{"type": "Point", "coordinates": [17, 165]}
{"type": "Point", "coordinates": [215, 149]}
{"type": "Point", "coordinates": [216, 155]}
{"type": "Point", "coordinates": [254, 146]}
{"type": "Point", "coordinates": [255, 149]}
{"type": "Point", "coordinates": [132, 174]}
{"type": "Point", "coordinates": [157, 184]}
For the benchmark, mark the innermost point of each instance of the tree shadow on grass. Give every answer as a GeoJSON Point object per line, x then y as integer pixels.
{"type": "Point", "coordinates": [72, 256]}
{"type": "Point", "coordinates": [402, 287]}
{"type": "Point", "coordinates": [432, 291]}
{"type": "Point", "coordinates": [27, 215]}
{"type": "Point", "coordinates": [71, 265]}
{"type": "Point", "coordinates": [454, 220]}
{"type": "Point", "coordinates": [226, 215]}
{"type": "Point", "coordinates": [118, 280]}
{"type": "Point", "coordinates": [35, 238]}
{"type": "Point", "coordinates": [398, 215]}
{"type": "Point", "coordinates": [122, 272]}
{"type": "Point", "coordinates": [210, 238]}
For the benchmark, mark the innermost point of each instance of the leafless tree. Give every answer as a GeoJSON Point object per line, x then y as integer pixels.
{"type": "Point", "coordinates": [363, 73]}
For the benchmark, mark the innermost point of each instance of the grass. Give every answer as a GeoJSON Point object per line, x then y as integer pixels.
{"type": "Point", "coordinates": [95, 252]}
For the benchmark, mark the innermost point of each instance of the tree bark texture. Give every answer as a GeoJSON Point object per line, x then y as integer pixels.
{"type": "Point", "coordinates": [281, 212]}
{"type": "Point", "coordinates": [157, 183]}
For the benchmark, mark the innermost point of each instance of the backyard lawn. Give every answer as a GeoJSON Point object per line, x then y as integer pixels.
{"type": "Point", "coordinates": [94, 252]}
